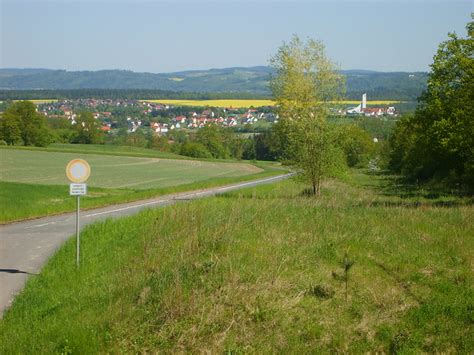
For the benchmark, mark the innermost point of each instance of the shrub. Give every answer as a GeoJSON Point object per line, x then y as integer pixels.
{"type": "Point", "coordinates": [195, 150]}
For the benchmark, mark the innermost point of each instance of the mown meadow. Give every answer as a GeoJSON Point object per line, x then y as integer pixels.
{"type": "Point", "coordinates": [262, 270]}
{"type": "Point", "coordinates": [48, 168]}
{"type": "Point", "coordinates": [33, 182]}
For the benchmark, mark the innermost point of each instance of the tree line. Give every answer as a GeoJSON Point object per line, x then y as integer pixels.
{"type": "Point", "coordinates": [231, 81]}
{"type": "Point", "coordinates": [21, 124]}
{"type": "Point", "coordinates": [124, 94]}
{"type": "Point", "coordinates": [437, 141]}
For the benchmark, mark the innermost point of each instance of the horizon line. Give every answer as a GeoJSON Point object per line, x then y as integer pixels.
{"type": "Point", "coordinates": [196, 70]}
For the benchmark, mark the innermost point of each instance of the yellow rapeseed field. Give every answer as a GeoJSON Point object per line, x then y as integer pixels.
{"type": "Point", "coordinates": [216, 103]}
{"type": "Point", "coordinates": [250, 103]}
{"type": "Point", "coordinates": [42, 101]}
{"type": "Point", "coordinates": [369, 102]}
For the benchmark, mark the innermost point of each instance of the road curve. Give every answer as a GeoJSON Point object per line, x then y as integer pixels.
{"type": "Point", "coordinates": [26, 246]}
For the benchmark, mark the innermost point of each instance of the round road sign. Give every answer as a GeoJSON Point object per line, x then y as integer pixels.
{"type": "Point", "coordinates": [78, 170]}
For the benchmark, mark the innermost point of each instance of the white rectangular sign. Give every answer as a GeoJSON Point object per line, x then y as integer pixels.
{"type": "Point", "coordinates": [77, 189]}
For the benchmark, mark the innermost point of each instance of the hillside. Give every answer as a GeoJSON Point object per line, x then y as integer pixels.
{"type": "Point", "coordinates": [254, 80]}
{"type": "Point", "coordinates": [259, 271]}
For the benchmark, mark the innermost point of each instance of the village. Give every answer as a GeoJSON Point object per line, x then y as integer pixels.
{"type": "Point", "coordinates": [160, 118]}
{"type": "Point", "coordinates": [163, 118]}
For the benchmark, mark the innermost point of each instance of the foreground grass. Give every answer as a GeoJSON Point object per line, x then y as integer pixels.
{"type": "Point", "coordinates": [260, 271]}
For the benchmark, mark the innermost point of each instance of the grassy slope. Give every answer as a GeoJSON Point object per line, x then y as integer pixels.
{"type": "Point", "coordinates": [259, 271]}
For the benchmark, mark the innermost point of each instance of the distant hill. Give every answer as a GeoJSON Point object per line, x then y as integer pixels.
{"type": "Point", "coordinates": [252, 80]}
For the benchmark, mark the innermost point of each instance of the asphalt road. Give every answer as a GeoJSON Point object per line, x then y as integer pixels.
{"type": "Point", "coordinates": [26, 246]}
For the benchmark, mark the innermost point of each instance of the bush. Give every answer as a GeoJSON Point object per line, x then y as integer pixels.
{"type": "Point", "coordinates": [357, 145]}
{"type": "Point", "coordinates": [195, 150]}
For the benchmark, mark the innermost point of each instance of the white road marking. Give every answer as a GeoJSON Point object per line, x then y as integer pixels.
{"type": "Point", "coordinates": [126, 208]}
{"type": "Point", "coordinates": [40, 225]}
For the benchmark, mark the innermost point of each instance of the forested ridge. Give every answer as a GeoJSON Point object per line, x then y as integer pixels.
{"type": "Point", "coordinates": [213, 83]}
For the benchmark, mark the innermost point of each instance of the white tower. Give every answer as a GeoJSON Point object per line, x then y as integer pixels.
{"type": "Point", "coordinates": [364, 101]}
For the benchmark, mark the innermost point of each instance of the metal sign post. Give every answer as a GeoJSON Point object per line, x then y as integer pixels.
{"type": "Point", "coordinates": [78, 241]}
{"type": "Point", "coordinates": [78, 171]}
{"type": "Point", "coordinates": [78, 190]}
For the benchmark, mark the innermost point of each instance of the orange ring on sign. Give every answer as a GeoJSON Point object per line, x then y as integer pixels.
{"type": "Point", "coordinates": [78, 170]}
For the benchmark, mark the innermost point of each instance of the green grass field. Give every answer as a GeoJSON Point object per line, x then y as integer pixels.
{"type": "Point", "coordinates": [107, 149]}
{"type": "Point", "coordinates": [259, 271]}
{"type": "Point", "coordinates": [48, 168]}
{"type": "Point", "coordinates": [33, 182]}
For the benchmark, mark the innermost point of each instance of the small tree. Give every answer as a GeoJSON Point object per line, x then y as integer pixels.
{"type": "Point", "coordinates": [304, 83]}
{"type": "Point", "coordinates": [318, 155]}
{"type": "Point", "coordinates": [346, 265]}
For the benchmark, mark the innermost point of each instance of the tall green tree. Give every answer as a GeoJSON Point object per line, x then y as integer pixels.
{"type": "Point", "coordinates": [21, 124]}
{"type": "Point", "coordinates": [304, 83]}
{"type": "Point", "coordinates": [438, 141]}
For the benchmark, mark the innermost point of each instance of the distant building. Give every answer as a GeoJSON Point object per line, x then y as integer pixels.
{"type": "Point", "coordinates": [362, 109]}
{"type": "Point", "coordinates": [359, 109]}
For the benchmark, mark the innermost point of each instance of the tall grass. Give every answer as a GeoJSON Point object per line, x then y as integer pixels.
{"type": "Point", "coordinates": [255, 271]}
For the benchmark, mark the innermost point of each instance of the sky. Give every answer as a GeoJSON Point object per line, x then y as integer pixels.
{"type": "Point", "coordinates": [166, 36]}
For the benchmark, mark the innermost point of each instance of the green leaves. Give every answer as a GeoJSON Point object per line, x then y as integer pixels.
{"type": "Point", "coordinates": [347, 264]}
{"type": "Point", "coordinates": [305, 79]}
{"type": "Point", "coordinates": [304, 83]}
{"type": "Point", "coordinates": [88, 129]}
{"type": "Point", "coordinates": [21, 124]}
{"type": "Point", "coordinates": [439, 140]}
